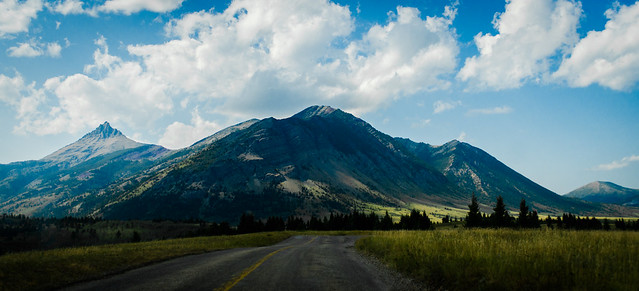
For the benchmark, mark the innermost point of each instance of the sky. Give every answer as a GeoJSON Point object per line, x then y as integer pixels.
{"type": "Point", "coordinates": [548, 87]}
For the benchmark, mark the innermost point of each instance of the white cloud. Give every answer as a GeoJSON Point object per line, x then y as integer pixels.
{"type": "Point", "coordinates": [617, 164]}
{"type": "Point", "coordinates": [23, 98]}
{"type": "Point", "coordinates": [495, 110]}
{"type": "Point", "coordinates": [66, 7]}
{"type": "Point", "coordinates": [34, 49]}
{"type": "Point", "coordinates": [531, 33]}
{"type": "Point", "coordinates": [128, 7]}
{"type": "Point", "coordinates": [180, 135]}
{"type": "Point", "coordinates": [441, 106]}
{"type": "Point", "coordinates": [122, 93]}
{"type": "Point", "coordinates": [54, 49]}
{"type": "Point", "coordinates": [609, 57]}
{"type": "Point", "coordinates": [17, 15]}
{"type": "Point", "coordinates": [256, 58]}
{"type": "Point", "coordinates": [24, 50]}
{"type": "Point", "coordinates": [274, 56]}
{"type": "Point", "coordinates": [462, 136]}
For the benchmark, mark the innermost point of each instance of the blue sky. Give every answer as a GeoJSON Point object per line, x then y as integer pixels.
{"type": "Point", "coordinates": [548, 87]}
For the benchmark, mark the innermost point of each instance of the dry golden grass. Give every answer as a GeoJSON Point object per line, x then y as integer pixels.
{"type": "Point", "coordinates": [488, 259]}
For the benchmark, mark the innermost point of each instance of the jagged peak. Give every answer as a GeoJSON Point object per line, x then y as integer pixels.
{"type": "Point", "coordinates": [104, 131]}
{"type": "Point", "coordinates": [316, 110]}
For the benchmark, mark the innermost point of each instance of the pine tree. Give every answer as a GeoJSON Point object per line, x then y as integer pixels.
{"type": "Point", "coordinates": [500, 217]}
{"type": "Point", "coordinates": [522, 221]}
{"type": "Point", "coordinates": [387, 222]}
{"type": "Point", "coordinates": [473, 219]}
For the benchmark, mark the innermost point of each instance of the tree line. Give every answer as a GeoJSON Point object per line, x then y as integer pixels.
{"type": "Point", "coordinates": [355, 220]}
{"type": "Point", "coordinates": [500, 217]}
{"type": "Point", "coordinates": [530, 219]}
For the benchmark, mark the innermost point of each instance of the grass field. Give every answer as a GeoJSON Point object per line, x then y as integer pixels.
{"type": "Point", "coordinates": [488, 259]}
{"type": "Point", "coordinates": [39, 270]}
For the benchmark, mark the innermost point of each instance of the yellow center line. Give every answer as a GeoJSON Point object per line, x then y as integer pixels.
{"type": "Point", "coordinates": [247, 271]}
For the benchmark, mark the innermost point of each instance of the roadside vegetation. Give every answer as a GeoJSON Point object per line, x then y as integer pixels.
{"type": "Point", "coordinates": [508, 259]}
{"type": "Point", "coordinates": [50, 269]}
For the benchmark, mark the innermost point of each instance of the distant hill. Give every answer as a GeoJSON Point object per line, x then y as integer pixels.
{"type": "Point", "coordinates": [322, 160]}
{"type": "Point", "coordinates": [606, 192]}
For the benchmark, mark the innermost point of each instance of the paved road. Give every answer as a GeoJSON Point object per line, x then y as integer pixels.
{"type": "Point", "coordinates": [298, 263]}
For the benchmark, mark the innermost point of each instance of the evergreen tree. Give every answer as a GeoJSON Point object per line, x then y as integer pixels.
{"type": "Point", "coordinates": [474, 218]}
{"type": "Point", "coordinates": [136, 237]}
{"type": "Point", "coordinates": [522, 221]}
{"type": "Point", "coordinates": [500, 217]}
{"type": "Point", "coordinates": [424, 221]}
{"type": "Point", "coordinates": [533, 220]}
{"type": "Point", "coordinates": [387, 222]}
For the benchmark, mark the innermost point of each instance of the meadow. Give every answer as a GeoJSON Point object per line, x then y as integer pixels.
{"type": "Point", "coordinates": [508, 259]}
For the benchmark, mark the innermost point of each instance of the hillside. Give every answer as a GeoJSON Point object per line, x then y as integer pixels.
{"type": "Point", "coordinates": [606, 192]}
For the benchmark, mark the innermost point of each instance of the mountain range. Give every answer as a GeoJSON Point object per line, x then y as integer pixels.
{"type": "Point", "coordinates": [606, 192]}
{"type": "Point", "coordinates": [320, 160]}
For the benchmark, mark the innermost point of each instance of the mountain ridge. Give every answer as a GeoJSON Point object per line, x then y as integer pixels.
{"type": "Point", "coordinates": [319, 161]}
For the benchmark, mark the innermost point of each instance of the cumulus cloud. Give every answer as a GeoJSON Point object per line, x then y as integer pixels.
{"type": "Point", "coordinates": [66, 7]}
{"type": "Point", "coordinates": [259, 55]}
{"type": "Point", "coordinates": [24, 98]}
{"type": "Point", "coordinates": [488, 111]}
{"type": "Point", "coordinates": [609, 57]}
{"type": "Point", "coordinates": [128, 7]}
{"type": "Point", "coordinates": [530, 34]}
{"type": "Point", "coordinates": [122, 93]}
{"type": "Point", "coordinates": [440, 106]}
{"type": "Point", "coordinates": [34, 49]}
{"type": "Point", "coordinates": [256, 58]}
{"type": "Point", "coordinates": [17, 15]}
{"type": "Point", "coordinates": [180, 135]}
{"type": "Point", "coordinates": [626, 161]}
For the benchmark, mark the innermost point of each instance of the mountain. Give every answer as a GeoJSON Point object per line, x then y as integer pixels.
{"type": "Point", "coordinates": [96, 160]}
{"type": "Point", "coordinates": [473, 170]}
{"type": "Point", "coordinates": [101, 141]}
{"type": "Point", "coordinates": [319, 161]}
{"type": "Point", "coordinates": [606, 192]}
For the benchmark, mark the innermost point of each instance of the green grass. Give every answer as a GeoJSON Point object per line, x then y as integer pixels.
{"type": "Point", "coordinates": [488, 259]}
{"type": "Point", "coordinates": [37, 270]}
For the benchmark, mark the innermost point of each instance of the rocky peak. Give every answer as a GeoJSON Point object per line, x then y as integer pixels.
{"type": "Point", "coordinates": [104, 131]}
{"type": "Point", "coordinates": [313, 111]}
{"type": "Point", "coordinates": [102, 140]}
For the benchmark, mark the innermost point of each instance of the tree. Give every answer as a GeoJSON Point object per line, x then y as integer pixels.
{"type": "Point", "coordinates": [522, 221]}
{"type": "Point", "coordinates": [136, 237]}
{"type": "Point", "coordinates": [387, 222]}
{"type": "Point", "coordinates": [473, 219]}
{"type": "Point", "coordinates": [500, 217]}
{"type": "Point", "coordinates": [248, 224]}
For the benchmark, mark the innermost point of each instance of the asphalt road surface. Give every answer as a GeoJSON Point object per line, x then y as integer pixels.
{"type": "Point", "coordinates": [298, 263]}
